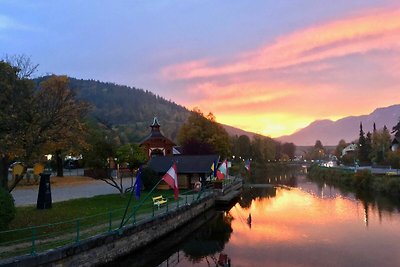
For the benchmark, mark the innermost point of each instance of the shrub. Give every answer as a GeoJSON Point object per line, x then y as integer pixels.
{"type": "Point", "coordinates": [7, 210]}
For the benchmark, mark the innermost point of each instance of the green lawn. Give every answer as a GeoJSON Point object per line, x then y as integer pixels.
{"type": "Point", "coordinates": [82, 207]}
{"type": "Point", "coordinates": [73, 220]}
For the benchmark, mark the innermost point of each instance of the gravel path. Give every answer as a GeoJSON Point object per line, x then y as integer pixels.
{"type": "Point", "coordinates": [28, 196]}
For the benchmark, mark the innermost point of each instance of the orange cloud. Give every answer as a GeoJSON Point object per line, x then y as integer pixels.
{"type": "Point", "coordinates": [327, 71]}
{"type": "Point", "coordinates": [378, 30]}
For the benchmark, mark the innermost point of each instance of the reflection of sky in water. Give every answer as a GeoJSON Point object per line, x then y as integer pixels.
{"type": "Point", "coordinates": [310, 226]}
{"type": "Point", "coordinates": [296, 228]}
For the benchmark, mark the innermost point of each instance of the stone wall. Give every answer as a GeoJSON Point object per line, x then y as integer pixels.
{"type": "Point", "coordinates": [107, 247]}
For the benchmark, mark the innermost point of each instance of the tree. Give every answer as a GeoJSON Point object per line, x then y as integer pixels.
{"type": "Point", "coordinates": [363, 150]}
{"type": "Point", "coordinates": [368, 146]}
{"type": "Point", "coordinates": [263, 149]}
{"type": "Point", "coordinates": [393, 158]}
{"type": "Point", "coordinates": [7, 211]}
{"type": "Point", "coordinates": [243, 147]}
{"type": "Point", "coordinates": [61, 118]}
{"type": "Point", "coordinates": [34, 121]}
{"type": "Point", "coordinates": [132, 155]}
{"type": "Point", "coordinates": [339, 148]}
{"type": "Point", "coordinates": [381, 141]}
{"type": "Point", "coordinates": [317, 152]}
{"type": "Point", "coordinates": [15, 101]}
{"type": "Point", "coordinates": [205, 132]}
{"type": "Point", "coordinates": [24, 65]}
{"type": "Point", "coordinates": [102, 145]}
{"type": "Point", "coordinates": [396, 130]}
{"type": "Point", "coordinates": [288, 149]}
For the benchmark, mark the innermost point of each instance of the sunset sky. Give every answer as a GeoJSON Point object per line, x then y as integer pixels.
{"type": "Point", "coordinates": [270, 67]}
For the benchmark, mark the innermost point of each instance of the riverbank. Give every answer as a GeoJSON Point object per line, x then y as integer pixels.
{"type": "Point", "coordinates": [361, 180]}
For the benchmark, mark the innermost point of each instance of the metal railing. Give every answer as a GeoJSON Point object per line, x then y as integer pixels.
{"type": "Point", "coordinates": [36, 239]}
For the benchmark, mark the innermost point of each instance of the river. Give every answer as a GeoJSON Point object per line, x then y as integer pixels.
{"type": "Point", "coordinates": [303, 224]}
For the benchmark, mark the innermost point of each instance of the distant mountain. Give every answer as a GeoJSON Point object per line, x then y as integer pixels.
{"type": "Point", "coordinates": [348, 128]}
{"type": "Point", "coordinates": [130, 111]}
{"type": "Point", "coordinates": [236, 131]}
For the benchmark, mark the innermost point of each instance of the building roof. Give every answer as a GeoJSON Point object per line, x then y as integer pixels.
{"type": "Point", "coordinates": [155, 133]}
{"type": "Point", "coordinates": [349, 148]}
{"type": "Point", "coordinates": [184, 163]}
{"type": "Point", "coordinates": [155, 123]}
{"type": "Point", "coordinates": [396, 139]}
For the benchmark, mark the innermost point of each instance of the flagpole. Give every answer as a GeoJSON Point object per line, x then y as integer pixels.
{"type": "Point", "coordinates": [129, 203]}
{"type": "Point", "coordinates": [139, 205]}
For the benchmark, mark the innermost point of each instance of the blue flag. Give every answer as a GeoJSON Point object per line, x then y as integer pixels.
{"type": "Point", "coordinates": [247, 165]}
{"type": "Point", "coordinates": [138, 183]}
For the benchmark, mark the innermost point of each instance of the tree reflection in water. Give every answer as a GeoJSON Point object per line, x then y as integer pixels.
{"type": "Point", "coordinates": [251, 193]}
{"type": "Point", "coordinates": [209, 240]}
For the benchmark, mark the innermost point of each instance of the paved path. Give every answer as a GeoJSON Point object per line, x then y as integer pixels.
{"type": "Point", "coordinates": [28, 196]}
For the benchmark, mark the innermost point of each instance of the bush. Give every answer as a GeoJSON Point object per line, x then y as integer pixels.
{"type": "Point", "coordinates": [7, 210]}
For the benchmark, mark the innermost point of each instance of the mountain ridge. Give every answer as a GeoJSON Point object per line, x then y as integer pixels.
{"type": "Point", "coordinates": [331, 132]}
{"type": "Point", "coordinates": [130, 110]}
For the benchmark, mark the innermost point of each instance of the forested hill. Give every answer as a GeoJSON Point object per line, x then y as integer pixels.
{"type": "Point", "coordinates": [128, 110]}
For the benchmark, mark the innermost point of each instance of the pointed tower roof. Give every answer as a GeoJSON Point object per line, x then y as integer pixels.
{"type": "Point", "coordinates": [155, 125]}
{"type": "Point", "coordinates": [155, 132]}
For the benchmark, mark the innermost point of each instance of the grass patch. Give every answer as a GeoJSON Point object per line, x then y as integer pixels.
{"type": "Point", "coordinates": [74, 220]}
{"type": "Point", "coordinates": [78, 208]}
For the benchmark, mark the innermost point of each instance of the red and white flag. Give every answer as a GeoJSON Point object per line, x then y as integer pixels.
{"type": "Point", "coordinates": [222, 171]}
{"type": "Point", "coordinates": [171, 178]}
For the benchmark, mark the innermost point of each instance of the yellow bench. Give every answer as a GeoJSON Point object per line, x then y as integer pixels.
{"type": "Point", "coordinates": [159, 200]}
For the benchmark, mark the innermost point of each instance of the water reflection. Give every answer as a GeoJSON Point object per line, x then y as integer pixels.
{"type": "Point", "coordinates": [296, 228]}
{"type": "Point", "coordinates": [210, 240]}
{"type": "Point", "coordinates": [308, 225]}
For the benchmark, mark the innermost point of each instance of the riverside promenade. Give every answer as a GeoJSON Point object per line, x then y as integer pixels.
{"type": "Point", "coordinates": [81, 248]}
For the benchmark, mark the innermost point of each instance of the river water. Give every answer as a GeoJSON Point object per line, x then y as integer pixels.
{"type": "Point", "coordinates": [303, 224]}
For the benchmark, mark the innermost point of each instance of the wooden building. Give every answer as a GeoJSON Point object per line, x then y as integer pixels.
{"type": "Point", "coordinates": [191, 168]}
{"type": "Point", "coordinates": [156, 144]}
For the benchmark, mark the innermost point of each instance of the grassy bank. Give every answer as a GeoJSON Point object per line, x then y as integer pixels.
{"type": "Point", "coordinates": [68, 222]}
{"type": "Point", "coordinates": [362, 180]}
{"type": "Point", "coordinates": [78, 208]}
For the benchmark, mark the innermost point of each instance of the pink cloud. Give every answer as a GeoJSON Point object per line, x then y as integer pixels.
{"type": "Point", "coordinates": [330, 70]}
{"type": "Point", "coordinates": [376, 30]}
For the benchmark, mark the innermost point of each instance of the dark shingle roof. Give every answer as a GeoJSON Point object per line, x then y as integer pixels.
{"type": "Point", "coordinates": [184, 163]}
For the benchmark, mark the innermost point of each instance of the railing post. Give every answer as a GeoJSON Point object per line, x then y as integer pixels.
{"type": "Point", "coordinates": [186, 199]}
{"type": "Point", "coordinates": [33, 248]}
{"type": "Point", "coordinates": [110, 221]}
{"type": "Point", "coordinates": [177, 204]}
{"type": "Point", "coordinates": [77, 231]}
{"type": "Point", "coordinates": [153, 212]}
{"type": "Point", "coordinates": [134, 218]}
{"type": "Point", "coordinates": [167, 205]}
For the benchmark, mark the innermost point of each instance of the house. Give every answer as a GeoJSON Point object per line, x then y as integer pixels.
{"type": "Point", "coordinates": [156, 144]}
{"type": "Point", "coordinates": [350, 149]}
{"type": "Point", "coordinates": [191, 168]}
{"type": "Point", "coordinates": [395, 143]}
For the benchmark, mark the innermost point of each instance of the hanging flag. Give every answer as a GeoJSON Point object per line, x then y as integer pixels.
{"type": "Point", "coordinates": [222, 170]}
{"type": "Point", "coordinates": [171, 178]}
{"type": "Point", "coordinates": [138, 183]}
{"type": "Point", "coordinates": [247, 165]}
{"type": "Point", "coordinates": [212, 167]}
